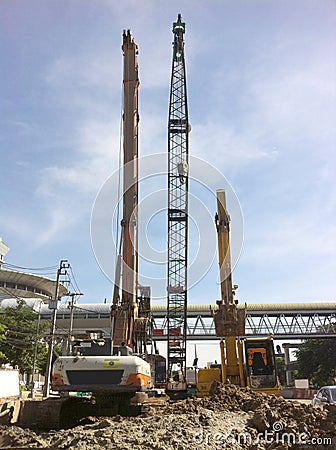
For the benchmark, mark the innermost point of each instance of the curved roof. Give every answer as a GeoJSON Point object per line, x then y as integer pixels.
{"type": "Point", "coordinates": [33, 303]}
{"type": "Point", "coordinates": [23, 284]}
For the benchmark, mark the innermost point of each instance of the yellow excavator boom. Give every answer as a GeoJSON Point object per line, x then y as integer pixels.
{"type": "Point", "coordinates": [244, 361]}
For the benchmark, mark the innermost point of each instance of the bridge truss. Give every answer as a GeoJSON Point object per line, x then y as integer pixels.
{"type": "Point", "coordinates": [298, 321]}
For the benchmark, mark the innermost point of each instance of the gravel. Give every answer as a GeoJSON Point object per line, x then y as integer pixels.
{"type": "Point", "coordinates": [231, 418]}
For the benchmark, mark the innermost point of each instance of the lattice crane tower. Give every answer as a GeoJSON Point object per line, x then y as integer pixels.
{"type": "Point", "coordinates": [178, 143]}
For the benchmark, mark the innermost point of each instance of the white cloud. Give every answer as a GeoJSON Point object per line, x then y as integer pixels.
{"type": "Point", "coordinates": [86, 91]}
{"type": "Point", "coordinates": [301, 101]}
{"type": "Point", "coordinates": [221, 145]}
{"type": "Point", "coordinates": [100, 70]}
{"type": "Point", "coordinates": [67, 191]}
{"type": "Point", "coordinates": [292, 238]}
{"type": "Point", "coordinates": [22, 127]}
{"type": "Point", "coordinates": [59, 220]}
{"type": "Point", "coordinates": [93, 157]}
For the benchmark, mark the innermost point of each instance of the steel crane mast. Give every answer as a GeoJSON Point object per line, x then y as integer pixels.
{"type": "Point", "coordinates": [178, 143]}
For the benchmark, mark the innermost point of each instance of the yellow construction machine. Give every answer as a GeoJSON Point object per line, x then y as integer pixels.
{"type": "Point", "coordinates": [245, 362]}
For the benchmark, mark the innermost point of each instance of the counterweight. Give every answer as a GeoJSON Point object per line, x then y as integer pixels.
{"type": "Point", "coordinates": [178, 143]}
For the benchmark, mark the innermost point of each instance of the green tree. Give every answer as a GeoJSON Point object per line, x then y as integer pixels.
{"type": "Point", "coordinates": [317, 361]}
{"type": "Point", "coordinates": [2, 337]}
{"type": "Point", "coordinates": [19, 335]}
{"type": "Point", "coordinates": [280, 365]}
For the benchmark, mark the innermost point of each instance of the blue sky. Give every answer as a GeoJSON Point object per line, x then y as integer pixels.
{"type": "Point", "coordinates": [262, 102]}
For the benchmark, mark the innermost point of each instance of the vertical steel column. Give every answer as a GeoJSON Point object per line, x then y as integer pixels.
{"type": "Point", "coordinates": [178, 129]}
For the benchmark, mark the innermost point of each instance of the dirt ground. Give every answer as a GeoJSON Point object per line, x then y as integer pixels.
{"type": "Point", "coordinates": [232, 418]}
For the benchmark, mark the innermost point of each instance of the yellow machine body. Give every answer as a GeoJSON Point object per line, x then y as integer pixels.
{"type": "Point", "coordinates": [244, 361]}
{"type": "Point", "coordinates": [205, 378]}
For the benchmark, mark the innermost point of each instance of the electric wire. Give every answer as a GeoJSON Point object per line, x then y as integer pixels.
{"type": "Point", "coordinates": [74, 280]}
{"type": "Point", "coordinates": [119, 175]}
{"type": "Point", "coordinates": [86, 309]}
{"type": "Point", "coordinates": [35, 269]}
{"type": "Point", "coordinates": [11, 294]}
{"type": "Point", "coordinates": [118, 231]}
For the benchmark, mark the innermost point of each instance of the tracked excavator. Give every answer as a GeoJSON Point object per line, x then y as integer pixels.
{"type": "Point", "coordinates": [112, 371]}
{"type": "Point", "coordinates": [245, 362]}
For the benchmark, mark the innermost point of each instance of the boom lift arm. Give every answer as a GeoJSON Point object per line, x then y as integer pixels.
{"type": "Point", "coordinates": [114, 374]}
{"type": "Point", "coordinates": [229, 320]}
{"type": "Point", "coordinates": [124, 313]}
{"type": "Point", "coordinates": [244, 361]}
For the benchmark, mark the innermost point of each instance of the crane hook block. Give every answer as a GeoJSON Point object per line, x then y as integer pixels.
{"type": "Point", "coordinates": [182, 169]}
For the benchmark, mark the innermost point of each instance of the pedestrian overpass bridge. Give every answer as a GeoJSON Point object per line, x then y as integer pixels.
{"type": "Point", "coordinates": [282, 320]}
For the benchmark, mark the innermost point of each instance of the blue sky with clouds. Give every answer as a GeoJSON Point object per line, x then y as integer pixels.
{"type": "Point", "coordinates": [262, 106]}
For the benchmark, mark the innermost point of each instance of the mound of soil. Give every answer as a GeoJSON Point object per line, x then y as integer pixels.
{"type": "Point", "coordinates": [231, 418]}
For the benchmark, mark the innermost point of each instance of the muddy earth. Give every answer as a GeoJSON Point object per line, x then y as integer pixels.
{"type": "Point", "coordinates": [231, 418]}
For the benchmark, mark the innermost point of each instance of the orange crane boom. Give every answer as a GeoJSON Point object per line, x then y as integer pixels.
{"type": "Point", "coordinates": [125, 312]}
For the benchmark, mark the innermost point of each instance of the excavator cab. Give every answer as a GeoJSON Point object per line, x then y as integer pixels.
{"type": "Point", "coordinates": [260, 362]}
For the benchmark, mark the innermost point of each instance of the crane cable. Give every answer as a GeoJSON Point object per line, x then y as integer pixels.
{"type": "Point", "coordinates": [118, 231]}
{"type": "Point", "coordinates": [119, 173]}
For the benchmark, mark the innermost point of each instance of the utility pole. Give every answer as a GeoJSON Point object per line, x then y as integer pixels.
{"type": "Point", "coordinates": [35, 350]}
{"type": "Point", "coordinates": [71, 306]}
{"type": "Point", "coordinates": [53, 304]}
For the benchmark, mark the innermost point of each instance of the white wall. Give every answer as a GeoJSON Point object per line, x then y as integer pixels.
{"type": "Point", "coordinates": [9, 383]}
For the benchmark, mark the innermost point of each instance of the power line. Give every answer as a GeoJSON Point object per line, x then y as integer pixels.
{"type": "Point", "coordinates": [75, 281]}
{"type": "Point", "coordinates": [35, 269]}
